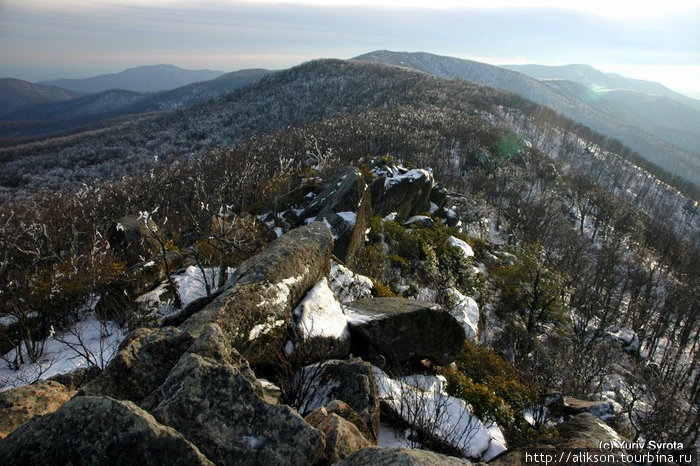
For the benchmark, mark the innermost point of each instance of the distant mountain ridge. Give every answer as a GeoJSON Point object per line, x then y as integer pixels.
{"type": "Point", "coordinates": [54, 117]}
{"type": "Point", "coordinates": [15, 93]}
{"type": "Point", "coordinates": [669, 139]}
{"type": "Point", "coordinates": [152, 78]}
{"type": "Point", "coordinates": [589, 76]}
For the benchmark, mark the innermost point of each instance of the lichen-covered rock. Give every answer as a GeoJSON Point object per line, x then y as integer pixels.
{"type": "Point", "coordinates": [255, 312]}
{"type": "Point", "coordinates": [144, 359]}
{"type": "Point", "coordinates": [218, 407]}
{"type": "Point", "coordinates": [98, 430]}
{"type": "Point", "coordinates": [345, 411]}
{"type": "Point", "coordinates": [377, 456]}
{"type": "Point", "coordinates": [349, 381]}
{"type": "Point", "coordinates": [342, 436]}
{"type": "Point", "coordinates": [403, 329]}
{"type": "Point", "coordinates": [345, 205]}
{"type": "Point", "coordinates": [18, 405]}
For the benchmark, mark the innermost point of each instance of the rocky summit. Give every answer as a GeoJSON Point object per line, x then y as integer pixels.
{"type": "Point", "coordinates": [300, 359]}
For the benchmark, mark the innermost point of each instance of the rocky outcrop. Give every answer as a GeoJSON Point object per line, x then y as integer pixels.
{"type": "Point", "coordinates": [98, 430]}
{"type": "Point", "coordinates": [342, 436]}
{"type": "Point", "coordinates": [144, 359]}
{"type": "Point", "coordinates": [398, 189]}
{"type": "Point", "coordinates": [344, 204]}
{"type": "Point", "coordinates": [18, 405]}
{"type": "Point", "coordinates": [372, 456]}
{"type": "Point", "coordinates": [218, 406]}
{"type": "Point", "coordinates": [403, 329]}
{"type": "Point", "coordinates": [255, 312]}
{"type": "Point", "coordinates": [349, 381]}
{"type": "Point", "coordinates": [345, 411]}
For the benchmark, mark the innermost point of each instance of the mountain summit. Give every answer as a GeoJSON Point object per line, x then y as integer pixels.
{"type": "Point", "coordinates": [152, 78]}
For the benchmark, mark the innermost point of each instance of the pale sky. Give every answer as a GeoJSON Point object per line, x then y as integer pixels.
{"type": "Point", "coordinates": [49, 39]}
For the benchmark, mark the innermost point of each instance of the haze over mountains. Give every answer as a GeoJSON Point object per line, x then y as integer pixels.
{"type": "Point", "coordinates": [151, 78]}
{"type": "Point", "coordinates": [659, 124]}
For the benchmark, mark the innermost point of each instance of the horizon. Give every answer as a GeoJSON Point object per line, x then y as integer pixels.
{"type": "Point", "coordinates": [44, 40]}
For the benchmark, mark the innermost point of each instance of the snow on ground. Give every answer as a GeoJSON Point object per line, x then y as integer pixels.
{"type": "Point", "coordinates": [319, 314]}
{"type": "Point", "coordinates": [390, 437]}
{"type": "Point", "coordinates": [87, 342]}
{"type": "Point", "coordinates": [349, 217]}
{"type": "Point", "coordinates": [462, 245]}
{"type": "Point", "coordinates": [190, 285]}
{"type": "Point", "coordinates": [466, 311]}
{"type": "Point", "coordinates": [420, 400]}
{"type": "Point", "coordinates": [347, 285]}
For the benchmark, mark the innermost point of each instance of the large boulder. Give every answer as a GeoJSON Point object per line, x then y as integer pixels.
{"type": "Point", "coordinates": [342, 436]}
{"type": "Point", "coordinates": [601, 409]}
{"type": "Point", "coordinates": [351, 381]}
{"type": "Point", "coordinates": [403, 329]}
{"type": "Point", "coordinates": [218, 406]}
{"type": "Point", "coordinates": [132, 239]}
{"type": "Point", "coordinates": [18, 405]}
{"type": "Point", "coordinates": [345, 204]}
{"type": "Point", "coordinates": [255, 312]}
{"type": "Point", "coordinates": [144, 359]}
{"type": "Point", "coordinates": [98, 430]}
{"type": "Point", "coordinates": [400, 190]}
{"type": "Point", "coordinates": [372, 456]}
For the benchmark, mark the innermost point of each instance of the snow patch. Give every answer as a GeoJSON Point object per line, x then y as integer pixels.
{"type": "Point", "coordinates": [466, 311]}
{"type": "Point", "coordinates": [320, 315]}
{"type": "Point", "coordinates": [462, 245]}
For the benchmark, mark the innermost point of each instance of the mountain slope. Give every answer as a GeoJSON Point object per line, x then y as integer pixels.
{"type": "Point", "coordinates": [15, 93]}
{"type": "Point", "coordinates": [53, 117]}
{"type": "Point", "coordinates": [589, 76]}
{"type": "Point", "coordinates": [675, 152]}
{"type": "Point", "coordinates": [152, 78]}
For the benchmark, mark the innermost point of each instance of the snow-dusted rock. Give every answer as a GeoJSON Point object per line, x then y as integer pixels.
{"type": "Point", "coordinates": [349, 381]}
{"type": "Point", "coordinates": [347, 285]}
{"type": "Point", "coordinates": [466, 311]}
{"type": "Point", "coordinates": [255, 312]}
{"type": "Point", "coordinates": [466, 250]}
{"type": "Point", "coordinates": [397, 189]}
{"type": "Point", "coordinates": [402, 329]}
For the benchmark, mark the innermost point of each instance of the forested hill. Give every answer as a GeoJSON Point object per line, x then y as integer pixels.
{"type": "Point", "coordinates": [662, 129]}
{"type": "Point", "coordinates": [308, 93]}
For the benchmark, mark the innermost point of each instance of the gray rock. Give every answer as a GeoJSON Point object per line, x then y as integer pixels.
{"type": "Point", "coordinates": [399, 190]}
{"type": "Point", "coordinates": [255, 312]}
{"type": "Point", "coordinates": [377, 456]}
{"type": "Point", "coordinates": [345, 411]}
{"type": "Point", "coordinates": [438, 196]}
{"type": "Point", "coordinates": [131, 240]}
{"type": "Point", "coordinates": [218, 406]}
{"type": "Point", "coordinates": [601, 409]}
{"type": "Point", "coordinates": [18, 405]}
{"type": "Point", "coordinates": [144, 359]}
{"type": "Point", "coordinates": [350, 381]}
{"type": "Point", "coordinates": [342, 436]}
{"type": "Point", "coordinates": [346, 204]}
{"type": "Point", "coordinates": [403, 329]}
{"type": "Point", "coordinates": [98, 430]}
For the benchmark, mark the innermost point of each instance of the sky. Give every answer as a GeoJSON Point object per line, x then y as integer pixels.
{"type": "Point", "coordinates": [50, 39]}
